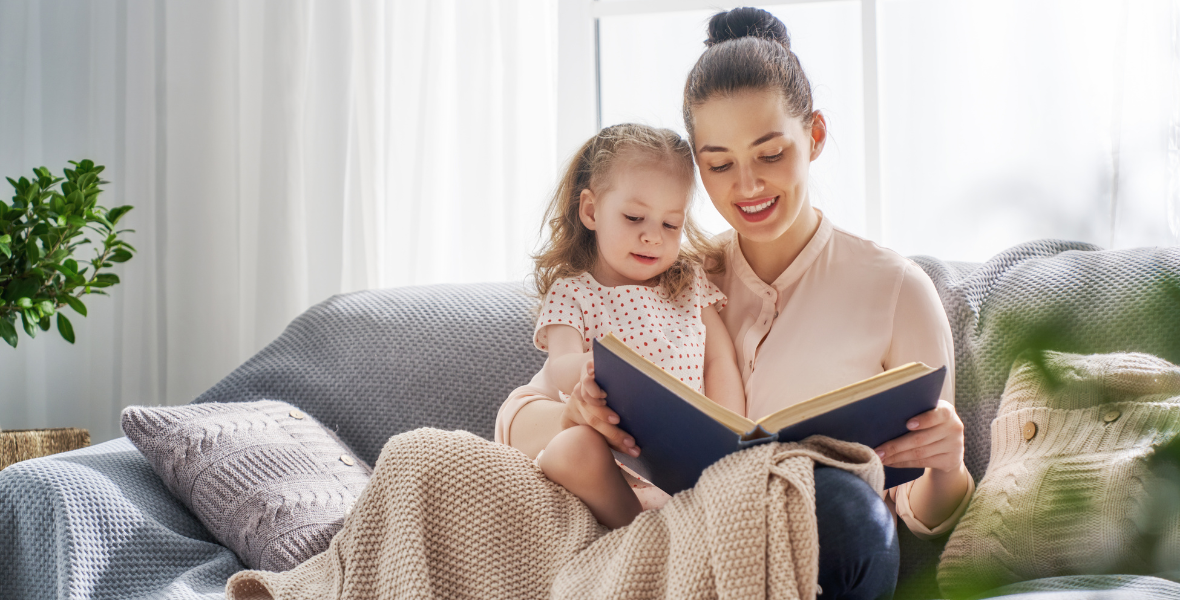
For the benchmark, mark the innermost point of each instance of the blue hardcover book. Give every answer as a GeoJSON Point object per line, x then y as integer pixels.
{"type": "Point", "coordinates": [680, 432]}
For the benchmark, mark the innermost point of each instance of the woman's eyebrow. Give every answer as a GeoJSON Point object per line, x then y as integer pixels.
{"type": "Point", "coordinates": [761, 140]}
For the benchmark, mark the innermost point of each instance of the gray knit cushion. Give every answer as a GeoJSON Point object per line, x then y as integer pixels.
{"type": "Point", "coordinates": [373, 364]}
{"type": "Point", "coordinates": [266, 479]}
{"type": "Point", "coordinates": [1067, 485]}
{"type": "Point", "coordinates": [1048, 294]}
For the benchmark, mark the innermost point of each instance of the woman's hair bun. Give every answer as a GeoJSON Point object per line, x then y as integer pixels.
{"type": "Point", "coordinates": [747, 22]}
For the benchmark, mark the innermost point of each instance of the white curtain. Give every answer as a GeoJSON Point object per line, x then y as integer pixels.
{"type": "Point", "coordinates": [276, 153]}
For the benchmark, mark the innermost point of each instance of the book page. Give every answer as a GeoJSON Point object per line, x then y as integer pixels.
{"type": "Point", "coordinates": [843, 396]}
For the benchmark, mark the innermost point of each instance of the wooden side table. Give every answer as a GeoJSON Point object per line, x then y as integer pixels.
{"type": "Point", "coordinates": [22, 444]}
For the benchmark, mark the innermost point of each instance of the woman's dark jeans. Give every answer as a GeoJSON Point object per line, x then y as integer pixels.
{"type": "Point", "coordinates": [858, 551]}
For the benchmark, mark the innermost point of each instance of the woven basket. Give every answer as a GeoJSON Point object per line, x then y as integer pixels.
{"type": "Point", "coordinates": [22, 444]}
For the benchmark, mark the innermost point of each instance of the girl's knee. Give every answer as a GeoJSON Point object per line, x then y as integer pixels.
{"type": "Point", "coordinates": [577, 449]}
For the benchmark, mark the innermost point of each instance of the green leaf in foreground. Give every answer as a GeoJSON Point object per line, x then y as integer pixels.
{"type": "Point", "coordinates": [29, 322]}
{"type": "Point", "coordinates": [8, 332]}
{"type": "Point", "coordinates": [64, 326]}
{"type": "Point", "coordinates": [75, 304]}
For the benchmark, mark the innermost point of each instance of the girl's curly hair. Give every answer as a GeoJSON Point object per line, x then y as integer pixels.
{"type": "Point", "coordinates": [571, 248]}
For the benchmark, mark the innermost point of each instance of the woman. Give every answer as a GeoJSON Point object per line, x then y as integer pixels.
{"type": "Point", "coordinates": [811, 307]}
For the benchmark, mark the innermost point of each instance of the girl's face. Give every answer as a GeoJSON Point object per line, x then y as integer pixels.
{"type": "Point", "coordinates": [637, 221]}
{"type": "Point", "coordinates": [754, 160]}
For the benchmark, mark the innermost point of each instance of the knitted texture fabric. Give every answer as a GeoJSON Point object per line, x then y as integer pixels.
{"type": "Point", "coordinates": [1048, 294]}
{"type": "Point", "coordinates": [269, 482]}
{"type": "Point", "coordinates": [1052, 295]}
{"type": "Point", "coordinates": [375, 363]}
{"type": "Point", "coordinates": [1066, 484]}
{"type": "Point", "coordinates": [98, 524]}
{"type": "Point", "coordinates": [497, 528]}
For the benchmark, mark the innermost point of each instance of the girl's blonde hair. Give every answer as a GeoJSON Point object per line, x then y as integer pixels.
{"type": "Point", "coordinates": [572, 248]}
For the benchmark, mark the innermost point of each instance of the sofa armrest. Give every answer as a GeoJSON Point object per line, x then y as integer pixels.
{"type": "Point", "coordinates": [99, 523]}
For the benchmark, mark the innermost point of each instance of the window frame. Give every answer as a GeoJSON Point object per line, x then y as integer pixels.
{"type": "Point", "coordinates": [579, 110]}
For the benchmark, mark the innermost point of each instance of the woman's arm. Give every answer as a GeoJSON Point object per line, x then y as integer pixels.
{"type": "Point", "coordinates": [931, 504]}
{"type": "Point", "coordinates": [935, 442]}
{"type": "Point", "coordinates": [723, 381]}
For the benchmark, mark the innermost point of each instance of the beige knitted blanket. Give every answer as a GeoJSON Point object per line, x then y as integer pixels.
{"type": "Point", "coordinates": [494, 527]}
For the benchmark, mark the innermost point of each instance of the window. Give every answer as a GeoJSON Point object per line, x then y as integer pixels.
{"type": "Point", "coordinates": [957, 129]}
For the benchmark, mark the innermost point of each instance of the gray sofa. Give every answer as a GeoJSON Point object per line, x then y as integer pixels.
{"type": "Point", "coordinates": [98, 523]}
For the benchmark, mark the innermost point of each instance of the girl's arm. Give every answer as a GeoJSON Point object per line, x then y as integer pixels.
{"type": "Point", "coordinates": [564, 367]}
{"type": "Point", "coordinates": [723, 381]}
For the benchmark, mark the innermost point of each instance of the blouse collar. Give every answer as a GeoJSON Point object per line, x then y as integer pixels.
{"type": "Point", "coordinates": [737, 261]}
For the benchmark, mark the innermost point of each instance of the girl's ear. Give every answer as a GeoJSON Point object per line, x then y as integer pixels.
{"type": "Point", "coordinates": [819, 133]}
{"type": "Point", "coordinates": [586, 209]}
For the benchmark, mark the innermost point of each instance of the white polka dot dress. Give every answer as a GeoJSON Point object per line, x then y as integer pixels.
{"type": "Point", "coordinates": [669, 332]}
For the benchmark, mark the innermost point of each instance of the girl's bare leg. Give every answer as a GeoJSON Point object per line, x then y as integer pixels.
{"type": "Point", "coordinates": [580, 460]}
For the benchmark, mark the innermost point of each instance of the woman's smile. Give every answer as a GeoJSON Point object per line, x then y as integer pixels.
{"type": "Point", "coordinates": [757, 209]}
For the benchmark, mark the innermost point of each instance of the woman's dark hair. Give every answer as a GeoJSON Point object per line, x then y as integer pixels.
{"type": "Point", "coordinates": [747, 49]}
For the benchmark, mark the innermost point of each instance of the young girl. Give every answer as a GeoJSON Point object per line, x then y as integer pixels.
{"type": "Point", "coordinates": [614, 264]}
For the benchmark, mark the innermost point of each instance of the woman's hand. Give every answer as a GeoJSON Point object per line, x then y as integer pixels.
{"type": "Point", "coordinates": [935, 440]}
{"type": "Point", "coordinates": [587, 406]}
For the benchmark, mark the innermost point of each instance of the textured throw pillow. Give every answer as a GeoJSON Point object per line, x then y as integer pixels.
{"type": "Point", "coordinates": [266, 479]}
{"type": "Point", "coordinates": [1068, 479]}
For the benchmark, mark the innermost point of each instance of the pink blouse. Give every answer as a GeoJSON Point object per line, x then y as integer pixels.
{"type": "Point", "coordinates": [845, 309]}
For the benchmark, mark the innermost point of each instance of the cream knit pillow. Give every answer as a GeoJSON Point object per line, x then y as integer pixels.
{"type": "Point", "coordinates": [1066, 480]}
{"type": "Point", "coordinates": [268, 480]}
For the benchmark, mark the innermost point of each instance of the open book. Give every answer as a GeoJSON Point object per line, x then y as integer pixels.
{"type": "Point", "coordinates": [680, 432]}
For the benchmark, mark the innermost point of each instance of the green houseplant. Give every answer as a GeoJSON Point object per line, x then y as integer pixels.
{"type": "Point", "coordinates": [39, 232]}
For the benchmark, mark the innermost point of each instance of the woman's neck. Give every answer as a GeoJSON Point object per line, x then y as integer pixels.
{"type": "Point", "coordinates": [770, 259]}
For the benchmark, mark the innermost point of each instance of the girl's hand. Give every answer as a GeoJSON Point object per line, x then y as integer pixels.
{"type": "Point", "coordinates": [935, 441]}
{"type": "Point", "coordinates": [587, 406]}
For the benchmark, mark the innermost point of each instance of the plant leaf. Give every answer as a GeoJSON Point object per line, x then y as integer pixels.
{"type": "Point", "coordinates": [28, 322]}
{"type": "Point", "coordinates": [8, 332]}
{"type": "Point", "coordinates": [47, 307]}
{"type": "Point", "coordinates": [107, 278]}
{"type": "Point", "coordinates": [75, 304]}
{"type": "Point", "coordinates": [116, 213]}
{"type": "Point", "coordinates": [66, 329]}
{"type": "Point", "coordinates": [120, 255]}
{"type": "Point", "coordinates": [26, 287]}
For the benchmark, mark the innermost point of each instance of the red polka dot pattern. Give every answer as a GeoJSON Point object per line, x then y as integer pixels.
{"type": "Point", "coordinates": [669, 332]}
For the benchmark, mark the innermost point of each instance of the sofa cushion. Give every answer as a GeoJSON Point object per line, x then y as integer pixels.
{"type": "Point", "coordinates": [373, 364]}
{"type": "Point", "coordinates": [1050, 295]}
{"type": "Point", "coordinates": [266, 479]}
{"type": "Point", "coordinates": [1066, 486]}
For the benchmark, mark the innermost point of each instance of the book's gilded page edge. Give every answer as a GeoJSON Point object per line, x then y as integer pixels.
{"type": "Point", "coordinates": [731, 420]}
{"type": "Point", "coordinates": [844, 396]}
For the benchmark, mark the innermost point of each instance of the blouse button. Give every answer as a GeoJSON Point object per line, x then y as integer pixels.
{"type": "Point", "coordinates": [295, 414]}
{"type": "Point", "coordinates": [346, 459]}
{"type": "Point", "coordinates": [1030, 430]}
{"type": "Point", "coordinates": [1111, 416]}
